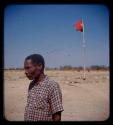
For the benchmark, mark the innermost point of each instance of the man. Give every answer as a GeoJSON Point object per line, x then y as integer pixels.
{"type": "Point", "coordinates": [44, 101]}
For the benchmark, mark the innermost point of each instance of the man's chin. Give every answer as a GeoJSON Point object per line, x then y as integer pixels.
{"type": "Point", "coordinates": [30, 78]}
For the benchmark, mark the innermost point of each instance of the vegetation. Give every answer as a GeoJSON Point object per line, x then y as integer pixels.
{"type": "Point", "coordinates": [79, 68]}
{"type": "Point", "coordinates": [69, 67]}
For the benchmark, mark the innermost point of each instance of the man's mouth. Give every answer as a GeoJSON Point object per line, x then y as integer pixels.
{"type": "Point", "coordinates": [29, 77]}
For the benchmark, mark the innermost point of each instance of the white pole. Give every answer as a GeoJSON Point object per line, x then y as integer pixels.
{"type": "Point", "coordinates": [84, 47]}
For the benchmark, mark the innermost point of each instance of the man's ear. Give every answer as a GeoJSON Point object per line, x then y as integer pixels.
{"type": "Point", "coordinates": [39, 66]}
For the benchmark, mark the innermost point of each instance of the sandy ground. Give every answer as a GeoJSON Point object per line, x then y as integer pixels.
{"type": "Point", "coordinates": [83, 100]}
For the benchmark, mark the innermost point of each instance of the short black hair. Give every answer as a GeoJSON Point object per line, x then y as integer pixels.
{"type": "Point", "coordinates": [37, 59]}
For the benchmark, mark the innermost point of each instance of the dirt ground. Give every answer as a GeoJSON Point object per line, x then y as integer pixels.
{"type": "Point", "coordinates": [83, 100]}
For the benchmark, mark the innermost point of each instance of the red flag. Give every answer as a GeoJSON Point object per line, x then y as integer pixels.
{"type": "Point", "coordinates": [79, 26]}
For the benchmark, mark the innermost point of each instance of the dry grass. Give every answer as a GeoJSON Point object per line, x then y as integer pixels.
{"type": "Point", "coordinates": [83, 100]}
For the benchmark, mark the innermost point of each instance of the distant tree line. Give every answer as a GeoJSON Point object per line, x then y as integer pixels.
{"type": "Point", "coordinates": [79, 68]}
{"type": "Point", "coordinates": [69, 67]}
{"type": "Point", "coordinates": [14, 69]}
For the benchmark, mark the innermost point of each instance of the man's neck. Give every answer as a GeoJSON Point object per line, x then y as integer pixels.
{"type": "Point", "coordinates": [40, 78]}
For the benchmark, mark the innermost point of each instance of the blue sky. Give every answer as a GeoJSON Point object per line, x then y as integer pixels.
{"type": "Point", "coordinates": [48, 30]}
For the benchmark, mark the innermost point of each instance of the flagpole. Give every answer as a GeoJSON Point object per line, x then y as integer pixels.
{"type": "Point", "coordinates": [84, 47]}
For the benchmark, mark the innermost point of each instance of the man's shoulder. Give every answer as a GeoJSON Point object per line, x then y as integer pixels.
{"type": "Point", "coordinates": [51, 83]}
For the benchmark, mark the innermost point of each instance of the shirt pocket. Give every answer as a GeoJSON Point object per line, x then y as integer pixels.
{"type": "Point", "coordinates": [38, 100]}
{"type": "Point", "coordinates": [41, 101]}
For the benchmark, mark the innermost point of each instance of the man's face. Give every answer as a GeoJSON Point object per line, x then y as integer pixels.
{"type": "Point", "coordinates": [31, 70]}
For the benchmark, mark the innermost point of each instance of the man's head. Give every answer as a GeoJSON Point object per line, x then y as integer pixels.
{"type": "Point", "coordinates": [34, 66]}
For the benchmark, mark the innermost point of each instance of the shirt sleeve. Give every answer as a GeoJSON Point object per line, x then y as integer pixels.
{"type": "Point", "coordinates": [56, 99]}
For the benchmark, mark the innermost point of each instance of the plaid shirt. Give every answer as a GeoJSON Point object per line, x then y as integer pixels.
{"type": "Point", "coordinates": [44, 99]}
